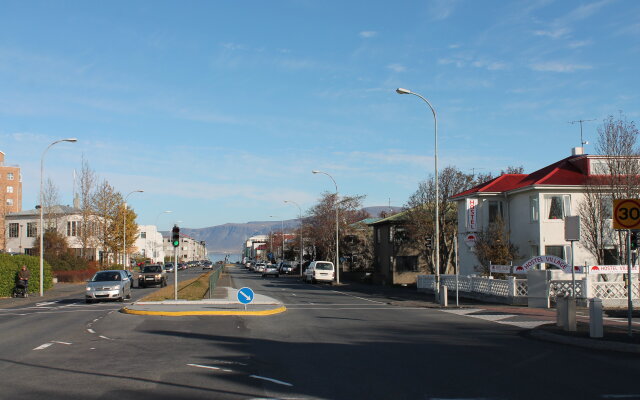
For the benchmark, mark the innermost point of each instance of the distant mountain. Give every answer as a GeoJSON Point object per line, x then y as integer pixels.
{"type": "Point", "coordinates": [228, 238]}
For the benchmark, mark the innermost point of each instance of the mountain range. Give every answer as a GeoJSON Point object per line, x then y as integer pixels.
{"type": "Point", "coordinates": [229, 238]}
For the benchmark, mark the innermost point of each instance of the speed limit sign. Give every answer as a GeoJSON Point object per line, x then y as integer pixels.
{"type": "Point", "coordinates": [626, 214]}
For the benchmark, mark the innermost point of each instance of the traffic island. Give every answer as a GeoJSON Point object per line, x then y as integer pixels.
{"type": "Point", "coordinates": [229, 305]}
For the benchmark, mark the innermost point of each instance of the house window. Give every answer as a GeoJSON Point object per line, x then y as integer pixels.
{"type": "Point", "coordinates": [557, 206]}
{"type": "Point", "coordinates": [143, 235]}
{"type": "Point", "coordinates": [557, 251]}
{"type": "Point", "coordinates": [9, 202]}
{"type": "Point", "coordinates": [390, 234]}
{"type": "Point", "coordinates": [407, 263]}
{"type": "Point", "coordinates": [73, 228]}
{"type": "Point", "coordinates": [14, 229]}
{"type": "Point", "coordinates": [9, 189]}
{"type": "Point", "coordinates": [534, 206]}
{"type": "Point", "coordinates": [378, 235]}
{"type": "Point", "coordinates": [495, 210]}
{"type": "Point", "coordinates": [534, 250]}
{"type": "Point", "coordinates": [32, 229]}
{"type": "Point", "coordinates": [9, 176]}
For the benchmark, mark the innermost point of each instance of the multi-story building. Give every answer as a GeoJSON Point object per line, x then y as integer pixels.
{"type": "Point", "coordinates": [190, 249]}
{"type": "Point", "coordinates": [533, 208]}
{"type": "Point", "coordinates": [10, 194]}
{"type": "Point", "coordinates": [149, 243]}
{"type": "Point", "coordinates": [255, 248]}
{"type": "Point", "coordinates": [22, 229]}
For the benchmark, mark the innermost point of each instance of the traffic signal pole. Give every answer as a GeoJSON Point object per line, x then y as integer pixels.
{"type": "Point", "coordinates": [175, 241]}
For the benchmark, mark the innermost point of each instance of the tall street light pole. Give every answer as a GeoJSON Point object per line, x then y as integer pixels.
{"type": "Point", "coordinates": [157, 231]}
{"type": "Point", "coordinates": [301, 242]}
{"type": "Point", "coordinates": [437, 205]}
{"type": "Point", "coordinates": [281, 232]}
{"type": "Point", "coordinates": [71, 140]}
{"type": "Point", "coordinates": [337, 245]}
{"type": "Point", "coordinates": [124, 228]}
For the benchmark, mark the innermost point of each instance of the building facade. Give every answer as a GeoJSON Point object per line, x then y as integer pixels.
{"type": "Point", "coordinates": [533, 208]}
{"type": "Point", "coordinates": [10, 195]}
{"type": "Point", "coordinates": [190, 249]}
{"type": "Point", "coordinates": [149, 243]}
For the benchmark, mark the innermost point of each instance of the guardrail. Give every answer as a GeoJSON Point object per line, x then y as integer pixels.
{"type": "Point", "coordinates": [213, 279]}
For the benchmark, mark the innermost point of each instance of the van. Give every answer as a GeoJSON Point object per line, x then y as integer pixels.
{"type": "Point", "coordinates": [320, 271]}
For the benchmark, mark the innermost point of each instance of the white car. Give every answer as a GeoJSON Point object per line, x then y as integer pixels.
{"type": "Point", "coordinates": [270, 270]}
{"type": "Point", "coordinates": [260, 267]}
{"type": "Point", "coordinates": [320, 271]}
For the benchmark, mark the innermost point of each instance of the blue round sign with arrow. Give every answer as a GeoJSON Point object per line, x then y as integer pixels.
{"type": "Point", "coordinates": [245, 295]}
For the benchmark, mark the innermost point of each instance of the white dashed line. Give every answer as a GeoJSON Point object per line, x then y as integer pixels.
{"type": "Point", "coordinates": [203, 366]}
{"type": "Point", "coordinates": [55, 341]}
{"type": "Point", "coordinates": [357, 297]}
{"type": "Point", "coordinates": [104, 337]}
{"type": "Point", "coordinates": [91, 330]}
{"type": "Point", "coordinates": [270, 380]}
{"type": "Point", "coordinates": [43, 346]}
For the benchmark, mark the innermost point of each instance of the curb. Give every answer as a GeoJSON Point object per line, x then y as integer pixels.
{"type": "Point", "coordinates": [585, 343]}
{"type": "Point", "coordinates": [278, 310]}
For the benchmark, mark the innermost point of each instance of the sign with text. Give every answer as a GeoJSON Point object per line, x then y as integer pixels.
{"type": "Point", "coordinates": [626, 214]}
{"type": "Point", "coordinates": [612, 269]}
{"type": "Point", "coordinates": [553, 260]}
{"type": "Point", "coordinates": [472, 215]}
{"type": "Point", "coordinates": [500, 269]}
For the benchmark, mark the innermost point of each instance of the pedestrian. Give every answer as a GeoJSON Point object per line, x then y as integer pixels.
{"type": "Point", "coordinates": [24, 274]}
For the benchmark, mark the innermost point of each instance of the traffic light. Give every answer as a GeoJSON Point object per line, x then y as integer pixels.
{"type": "Point", "coordinates": [634, 240]}
{"type": "Point", "coordinates": [175, 236]}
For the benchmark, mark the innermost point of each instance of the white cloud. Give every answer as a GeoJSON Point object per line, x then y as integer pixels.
{"type": "Point", "coordinates": [490, 65]}
{"type": "Point", "coordinates": [579, 43]}
{"type": "Point", "coordinates": [368, 34]}
{"type": "Point", "coordinates": [557, 66]}
{"type": "Point", "coordinates": [397, 67]}
{"type": "Point", "coordinates": [556, 33]}
{"type": "Point", "coordinates": [441, 9]}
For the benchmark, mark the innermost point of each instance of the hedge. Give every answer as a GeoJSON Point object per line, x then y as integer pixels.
{"type": "Point", "coordinates": [9, 267]}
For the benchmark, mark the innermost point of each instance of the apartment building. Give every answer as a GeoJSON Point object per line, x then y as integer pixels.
{"type": "Point", "coordinates": [10, 195]}
{"type": "Point", "coordinates": [190, 249]}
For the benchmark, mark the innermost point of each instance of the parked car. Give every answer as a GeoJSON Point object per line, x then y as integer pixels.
{"type": "Point", "coordinates": [169, 267]}
{"type": "Point", "coordinates": [320, 271]}
{"type": "Point", "coordinates": [108, 285]}
{"type": "Point", "coordinates": [259, 267]}
{"type": "Point", "coordinates": [270, 270]}
{"type": "Point", "coordinates": [288, 267]}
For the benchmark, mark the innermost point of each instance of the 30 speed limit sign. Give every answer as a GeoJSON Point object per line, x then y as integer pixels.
{"type": "Point", "coordinates": [626, 214]}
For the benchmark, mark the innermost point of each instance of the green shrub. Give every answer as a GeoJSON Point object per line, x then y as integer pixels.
{"type": "Point", "coordinates": [9, 267]}
{"type": "Point", "coordinates": [67, 262]}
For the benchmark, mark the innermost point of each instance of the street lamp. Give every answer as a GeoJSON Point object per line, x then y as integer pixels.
{"type": "Point", "coordinates": [71, 140]}
{"type": "Point", "coordinates": [124, 228]}
{"type": "Point", "coordinates": [281, 232]}
{"type": "Point", "coordinates": [337, 245]}
{"type": "Point", "coordinates": [301, 240]}
{"type": "Point", "coordinates": [437, 222]}
{"type": "Point", "coordinates": [157, 231]}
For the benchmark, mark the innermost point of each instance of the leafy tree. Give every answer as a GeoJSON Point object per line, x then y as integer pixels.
{"type": "Point", "coordinates": [106, 204]}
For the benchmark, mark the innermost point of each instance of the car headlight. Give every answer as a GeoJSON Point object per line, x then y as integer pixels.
{"type": "Point", "coordinates": [89, 288]}
{"type": "Point", "coordinates": [117, 287]}
{"type": "Point", "coordinates": [158, 276]}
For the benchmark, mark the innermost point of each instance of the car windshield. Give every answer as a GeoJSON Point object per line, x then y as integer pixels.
{"type": "Point", "coordinates": [324, 266]}
{"type": "Point", "coordinates": [106, 276]}
{"type": "Point", "coordinates": [152, 268]}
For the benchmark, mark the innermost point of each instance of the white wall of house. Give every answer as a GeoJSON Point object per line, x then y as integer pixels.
{"type": "Point", "coordinates": [149, 243]}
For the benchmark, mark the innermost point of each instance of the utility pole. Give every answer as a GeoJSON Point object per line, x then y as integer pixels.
{"type": "Point", "coordinates": [582, 142]}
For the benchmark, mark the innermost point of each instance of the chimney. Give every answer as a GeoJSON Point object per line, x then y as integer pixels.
{"type": "Point", "coordinates": [577, 151]}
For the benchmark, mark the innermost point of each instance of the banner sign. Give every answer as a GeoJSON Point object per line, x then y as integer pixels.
{"type": "Point", "coordinates": [472, 215]}
{"type": "Point", "coordinates": [500, 269]}
{"type": "Point", "coordinates": [612, 269]}
{"type": "Point", "coordinates": [557, 261]}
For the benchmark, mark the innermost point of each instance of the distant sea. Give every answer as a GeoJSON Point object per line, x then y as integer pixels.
{"type": "Point", "coordinates": [214, 257]}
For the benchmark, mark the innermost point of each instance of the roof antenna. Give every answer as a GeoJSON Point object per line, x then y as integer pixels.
{"type": "Point", "coordinates": [582, 142]}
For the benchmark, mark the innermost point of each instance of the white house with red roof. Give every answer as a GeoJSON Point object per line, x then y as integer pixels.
{"type": "Point", "coordinates": [533, 208]}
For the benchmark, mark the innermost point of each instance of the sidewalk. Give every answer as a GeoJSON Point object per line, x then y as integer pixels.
{"type": "Point", "coordinates": [224, 301]}
{"type": "Point", "coordinates": [59, 290]}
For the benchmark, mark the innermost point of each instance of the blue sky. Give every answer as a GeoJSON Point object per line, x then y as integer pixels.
{"type": "Point", "coordinates": [219, 110]}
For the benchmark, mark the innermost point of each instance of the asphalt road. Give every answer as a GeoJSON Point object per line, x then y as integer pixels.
{"type": "Point", "coordinates": [330, 344]}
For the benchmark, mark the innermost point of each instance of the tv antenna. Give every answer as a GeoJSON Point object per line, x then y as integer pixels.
{"type": "Point", "coordinates": [582, 142]}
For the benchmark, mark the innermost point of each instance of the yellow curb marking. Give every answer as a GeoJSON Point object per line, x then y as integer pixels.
{"type": "Point", "coordinates": [187, 313]}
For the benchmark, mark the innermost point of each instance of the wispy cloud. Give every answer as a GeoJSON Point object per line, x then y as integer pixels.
{"type": "Point", "coordinates": [397, 67]}
{"type": "Point", "coordinates": [441, 9]}
{"type": "Point", "coordinates": [556, 33]}
{"type": "Point", "coordinates": [490, 65]}
{"type": "Point", "coordinates": [368, 34]}
{"type": "Point", "coordinates": [463, 60]}
{"type": "Point", "coordinates": [579, 43]}
{"type": "Point", "coordinates": [557, 66]}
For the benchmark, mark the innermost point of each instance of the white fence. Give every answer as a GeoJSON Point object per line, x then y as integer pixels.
{"type": "Point", "coordinates": [515, 291]}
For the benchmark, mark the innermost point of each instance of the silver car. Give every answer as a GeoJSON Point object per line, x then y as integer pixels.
{"type": "Point", "coordinates": [108, 285]}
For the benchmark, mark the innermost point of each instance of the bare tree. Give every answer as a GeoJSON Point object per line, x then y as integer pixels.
{"type": "Point", "coordinates": [595, 213]}
{"type": "Point", "coordinates": [88, 225]}
{"type": "Point", "coordinates": [493, 245]}
{"type": "Point", "coordinates": [106, 203]}
{"type": "Point", "coordinates": [50, 199]}
{"type": "Point", "coordinates": [421, 211]}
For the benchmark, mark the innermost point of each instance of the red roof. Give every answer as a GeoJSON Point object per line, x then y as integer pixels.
{"type": "Point", "coordinates": [571, 171]}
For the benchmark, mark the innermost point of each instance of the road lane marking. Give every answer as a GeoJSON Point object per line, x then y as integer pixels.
{"type": "Point", "coordinates": [56, 341]}
{"type": "Point", "coordinates": [43, 346]}
{"type": "Point", "coordinates": [203, 366]}
{"type": "Point", "coordinates": [91, 330]}
{"type": "Point", "coordinates": [270, 380]}
{"type": "Point", "coordinates": [357, 297]}
{"type": "Point", "coordinates": [104, 337]}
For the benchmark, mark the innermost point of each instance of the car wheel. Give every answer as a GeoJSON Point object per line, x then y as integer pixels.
{"type": "Point", "coordinates": [277, 276]}
{"type": "Point", "coordinates": [88, 301]}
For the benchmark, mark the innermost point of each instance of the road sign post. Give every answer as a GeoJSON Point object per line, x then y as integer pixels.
{"type": "Point", "coordinates": [245, 296]}
{"type": "Point", "coordinates": [626, 216]}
